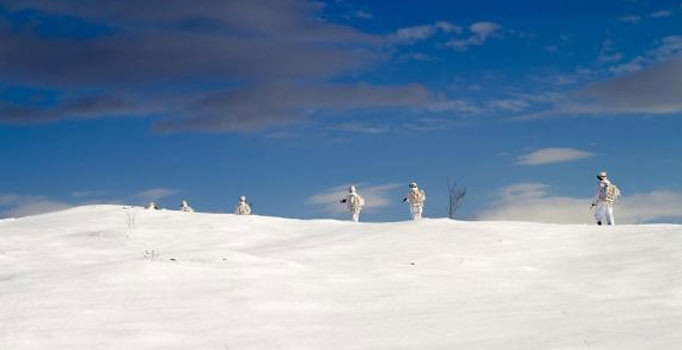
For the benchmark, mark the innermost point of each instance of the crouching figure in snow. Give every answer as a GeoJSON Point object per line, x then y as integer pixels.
{"type": "Point", "coordinates": [185, 207]}
{"type": "Point", "coordinates": [606, 194]}
{"type": "Point", "coordinates": [415, 199]}
{"type": "Point", "coordinates": [243, 208]}
{"type": "Point", "coordinates": [355, 203]}
{"type": "Point", "coordinates": [152, 206]}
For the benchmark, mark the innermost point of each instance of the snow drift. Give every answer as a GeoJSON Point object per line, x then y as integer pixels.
{"type": "Point", "coordinates": [105, 277]}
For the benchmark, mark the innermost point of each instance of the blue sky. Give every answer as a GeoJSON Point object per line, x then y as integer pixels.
{"type": "Point", "coordinates": [289, 101]}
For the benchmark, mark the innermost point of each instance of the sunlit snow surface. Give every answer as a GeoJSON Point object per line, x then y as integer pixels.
{"type": "Point", "coordinates": [84, 279]}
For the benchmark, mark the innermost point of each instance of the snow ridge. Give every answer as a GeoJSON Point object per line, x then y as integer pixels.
{"type": "Point", "coordinates": [88, 278]}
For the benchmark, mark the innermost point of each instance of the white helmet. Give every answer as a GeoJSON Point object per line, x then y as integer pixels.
{"type": "Point", "coordinates": [413, 185]}
{"type": "Point", "coordinates": [242, 198]}
{"type": "Point", "coordinates": [351, 189]}
{"type": "Point", "coordinates": [601, 175]}
{"type": "Point", "coordinates": [184, 203]}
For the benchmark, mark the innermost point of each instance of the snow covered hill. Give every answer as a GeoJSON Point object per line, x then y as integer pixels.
{"type": "Point", "coordinates": [105, 277]}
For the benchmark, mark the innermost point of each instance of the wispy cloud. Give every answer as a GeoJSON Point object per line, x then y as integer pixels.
{"type": "Point", "coordinates": [552, 48]}
{"type": "Point", "coordinates": [414, 34]}
{"type": "Point", "coordinates": [630, 19]}
{"type": "Point", "coordinates": [608, 54]}
{"type": "Point", "coordinates": [661, 14]}
{"type": "Point", "coordinates": [359, 127]}
{"type": "Point", "coordinates": [376, 197]}
{"type": "Point", "coordinates": [509, 104]}
{"type": "Point", "coordinates": [417, 56]}
{"type": "Point", "coordinates": [552, 155]}
{"type": "Point", "coordinates": [453, 105]}
{"type": "Point", "coordinates": [534, 202]}
{"type": "Point", "coordinates": [422, 125]}
{"type": "Point", "coordinates": [363, 14]}
{"type": "Point", "coordinates": [668, 48]}
{"type": "Point", "coordinates": [479, 33]}
{"type": "Point", "coordinates": [153, 194]}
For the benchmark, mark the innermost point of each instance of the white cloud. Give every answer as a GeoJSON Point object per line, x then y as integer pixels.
{"type": "Point", "coordinates": [155, 194]}
{"type": "Point", "coordinates": [484, 29]}
{"type": "Point", "coordinates": [552, 155]}
{"type": "Point", "coordinates": [411, 35]}
{"type": "Point", "coordinates": [558, 79]}
{"type": "Point", "coordinates": [376, 197]}
{"type": "Point", "coordinates": [448, 27]}
{"type": "Point", "coordinates": [281, 135]}
{"type": "Point", "coordinates": [429, 124]}
{"type": "Point", "coordinates": [661, 14]}
{"type": "Point", "coordinates": [480, 32]}
{"type": "Point", "coordinates": [417, 56]}
{"type": "Point", "coordinates": [552, 48]}
{"type": "Point", "coordinates": [508, 104]}
{"type": "Point", "coordinates": [608, 54]}
{"type": "Point", "coordinates": [533, 202]}
{"type": "Point", "coordinates": [630, 19]}
{"type": "Point", "coordinates": [450, 105]}
{"type": "Point", "coordinates": [360, 128]}
{"type": "Point", "coordinates": [363, 14]}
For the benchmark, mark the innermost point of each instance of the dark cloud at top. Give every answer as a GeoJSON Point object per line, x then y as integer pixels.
{"type": "Point", "coordinates": [77, 108]}
{"type": "Point", "coordinates": [281, 103]}
{"type": "Point", "coordinates": [158, 40]}
{"type": "Point", "coordinates": [657, 90]}
{"type": "Point", "coordinates": [653, 91]}
{"type": "Point", "coordinates": [160, 46]}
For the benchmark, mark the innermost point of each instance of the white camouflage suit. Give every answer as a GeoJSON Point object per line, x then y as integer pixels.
{"type": "Point", "coordinates": [603, 212]}
{"type": "Point", "coordinates": [185, 207]}
{"type": "Point", "coordinates": [415, 199]}
{"type": "Point", "coordinates": [243, 208]}
{"type": "Point", "coordinates": [355, 202]}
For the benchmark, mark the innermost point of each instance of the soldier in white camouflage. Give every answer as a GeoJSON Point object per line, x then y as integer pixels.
{"type": "Point", "coordinates": [415, 199]}
{"type": "Point", "coordinates": [355, 203]}
{"type": "Point", "coordinates": [185, 207]}
{"type": "Point", "coordinates": [606, 194]}
{"type": "Point", "coordinates": [243, 208]}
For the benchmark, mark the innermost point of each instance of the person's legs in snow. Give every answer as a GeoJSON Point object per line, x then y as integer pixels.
{"type": "Point", "coordinates": [609, 214]}
{"type": "Point", "coordinates": [599, 214]}
{"type": "Point", "coordinates": [416, 211]}
{"type": "Point", "coordinates": [355, 216]}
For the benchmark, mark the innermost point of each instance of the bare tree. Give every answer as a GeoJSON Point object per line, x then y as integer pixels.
{"type": "Point", "coordinates": [456, 194]}
{"type": "Point", "coordinates": [131, 214]}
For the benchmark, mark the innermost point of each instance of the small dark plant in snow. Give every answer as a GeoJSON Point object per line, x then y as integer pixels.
{"type": "Point", "coordinates": [456, 194]}
{"type": "Point", "coordinates": [131, 214]}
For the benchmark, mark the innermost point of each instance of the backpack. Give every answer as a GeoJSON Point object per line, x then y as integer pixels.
{"type": "Point", "coordinates": [611, 193]}
{"type": "Point", "coordinates": [356, 202]}
{"type": "Point", "coordinates": [416, 197]}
